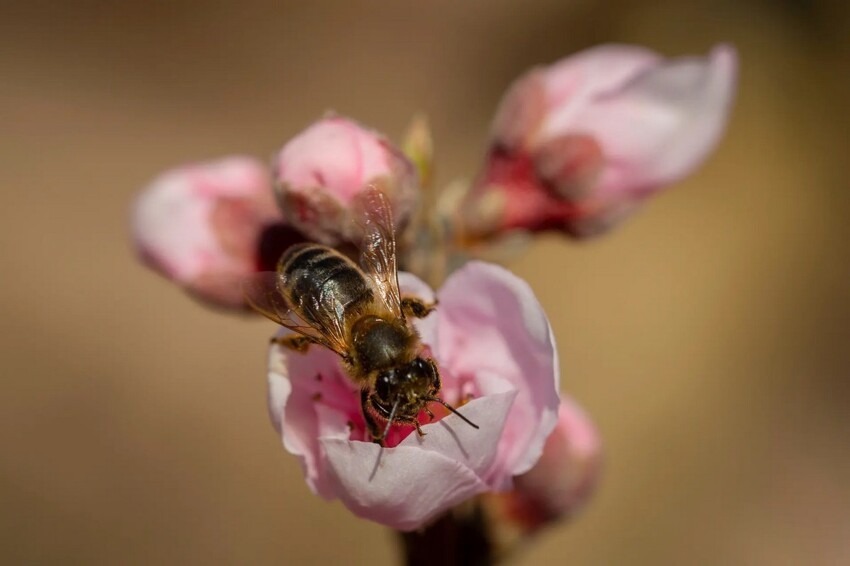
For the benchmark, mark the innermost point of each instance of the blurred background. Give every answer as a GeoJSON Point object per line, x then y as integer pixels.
{"type": "Point", "coordinates": [707, 336]}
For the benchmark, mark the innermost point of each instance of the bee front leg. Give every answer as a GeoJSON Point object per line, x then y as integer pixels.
{"type": "Point", "coordinates": [295, 342]}
{"type": "Point", "coordinates": [415, 423]}
{"type": "Point", "coordinates": [371, 425]}
{"type": "Point", "coordinates": [438, 381]}
{"type": "Point", "coordinates": [416, 307]}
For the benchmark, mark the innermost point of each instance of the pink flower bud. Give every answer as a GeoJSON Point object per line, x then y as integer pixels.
{"type": "Point", "coordinates": [498, 363]}
{"type": "Point", "coordinates": [579, 144]}
{"type": "Point", "coordinates": [320, 172]}
{"type": "Point", "coordinates": [564, 478]}
{"type": "Point", "coordinates": [208, 225]}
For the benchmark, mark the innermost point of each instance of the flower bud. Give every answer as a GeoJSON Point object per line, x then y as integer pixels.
{"type": "Point", "coordinates": [576, 146]}
{"type": "Point", "coordinates": [561, 481]}
{"type": "Point", "coordinates": [206, 226]}
{"type": "Point", "coordinates": [320, 173]}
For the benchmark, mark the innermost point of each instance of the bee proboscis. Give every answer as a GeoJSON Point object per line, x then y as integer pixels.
{"type": "Point", "coordinates": [357, 312]}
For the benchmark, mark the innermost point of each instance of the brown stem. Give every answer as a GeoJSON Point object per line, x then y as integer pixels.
{"type": "Point", "coordinates": [459, 537]}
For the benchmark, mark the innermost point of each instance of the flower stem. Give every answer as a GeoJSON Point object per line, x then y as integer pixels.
{"type": "Point", "coordinates": [460, 537]}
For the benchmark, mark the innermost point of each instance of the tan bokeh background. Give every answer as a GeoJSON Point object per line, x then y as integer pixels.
{"type": "Point", "coordinates": [707, 336]}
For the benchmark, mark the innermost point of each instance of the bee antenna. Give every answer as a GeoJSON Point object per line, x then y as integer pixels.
{"type": "Point", "coordinates": [455, 411]}
{"type": "Point", "coordinates": [390, 420]}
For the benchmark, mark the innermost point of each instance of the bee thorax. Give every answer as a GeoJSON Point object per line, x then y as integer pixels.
{"type": "Point", "coordinates": [380, 344]}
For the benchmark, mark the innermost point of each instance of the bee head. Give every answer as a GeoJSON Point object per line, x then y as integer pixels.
{"type": "Point", "coordinates": [417, 377]}
{"type": "Point", "coordinates": [405, 390]}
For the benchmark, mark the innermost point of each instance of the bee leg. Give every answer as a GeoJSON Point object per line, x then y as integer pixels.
{"type": "Point", "coordinates": [371, 425]}
{"type": "Point", "coordinates": [438, 382]}
{"type": "Point", "coordinates": [293, 342]}
{"type": "Point", "coordinates": [429, 413]}
{"type": "Point", "coordinates": [416, 307]}
{"type": "Point", "coordinates": [419, 429]}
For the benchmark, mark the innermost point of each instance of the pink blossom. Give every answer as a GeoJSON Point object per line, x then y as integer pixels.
{"type": "Point", "coordinates": [564, 478]}
{"type": "Point", "coordinates": [208, 225]}
{"type": "Point", "coordinates": [320, 172]}
{"type": "Point", "coordinates": [579, 144]}
{"type": "Point", "coordinates": [498, 362]}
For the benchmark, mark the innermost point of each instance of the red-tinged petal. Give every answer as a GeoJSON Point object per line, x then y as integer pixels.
{"type": "Point", "coordinates": [572, 164]}
{"type": "Point", "coordinates": [619, 123]}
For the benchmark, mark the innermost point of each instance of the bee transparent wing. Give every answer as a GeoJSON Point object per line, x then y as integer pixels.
{"type": "Point", "coordinates": [262, 291]}
{"type": "Point", "coordinates": [377, 248]}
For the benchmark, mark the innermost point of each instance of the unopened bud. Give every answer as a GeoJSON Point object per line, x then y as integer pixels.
{"type": "Point", "coordinates": [320, 172]}
{"type": "Point", "coordinates": [206, 226]}
{"type": "Point", "coordinates": [577, 145]}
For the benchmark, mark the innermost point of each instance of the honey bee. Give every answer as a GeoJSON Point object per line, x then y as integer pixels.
{"type": "Point", "coordinates": [357, 312]}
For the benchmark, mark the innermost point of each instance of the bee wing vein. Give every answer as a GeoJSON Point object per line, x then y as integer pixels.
{"type": "Point", "coordinates": [263, 292]}
{"type": "Point", "coordinates": [378, 247]}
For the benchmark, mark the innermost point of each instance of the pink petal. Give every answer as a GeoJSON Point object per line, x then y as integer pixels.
{"type": "Point", "coordinates": [521, 111]}
{"type": "Point", "coordinates": [199, 225]}
{"type": "Point", "coordinates": [474, 448]}
{"type": "Point", "coordinates": [295, 414]}
{"type": "Point", "coordinates": [579, 144]}
{"type": "Point", "coordinates": [573, 82]}
{"type": "Point", "coordinates": [337, 153]}
{"type": "Point", "coordinates": [566, 475]}
{"type": "Point", "coordinates": [491, 324]}
{"type": "Point", "coordinates": [401, 487]}
{"type": "Point", "coordinates": [321, 171]}
{"type": "Point", "coordinates": [659, 126]}
{"type": "Point", "coordinates": [405, 486]}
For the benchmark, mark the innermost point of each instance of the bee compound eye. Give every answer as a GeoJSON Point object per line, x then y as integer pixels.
{"type": "Point", "coordinates": [383, 384]}
{"type": "Point", "coordinates": [420, 366]}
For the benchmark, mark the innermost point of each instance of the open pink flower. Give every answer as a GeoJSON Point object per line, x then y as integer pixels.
{"type": "Point", "coordinates": [322, 170]}
{"type": "Point", "coordinates": [208, 225]}
{"type": "Point", "coordinates": [579, 144]}
{"type": "Point", "coordinates": [498, 361]}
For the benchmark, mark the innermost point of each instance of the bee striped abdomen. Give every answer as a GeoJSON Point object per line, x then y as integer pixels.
{"type": "Point", "coordinates": [319, 280]}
